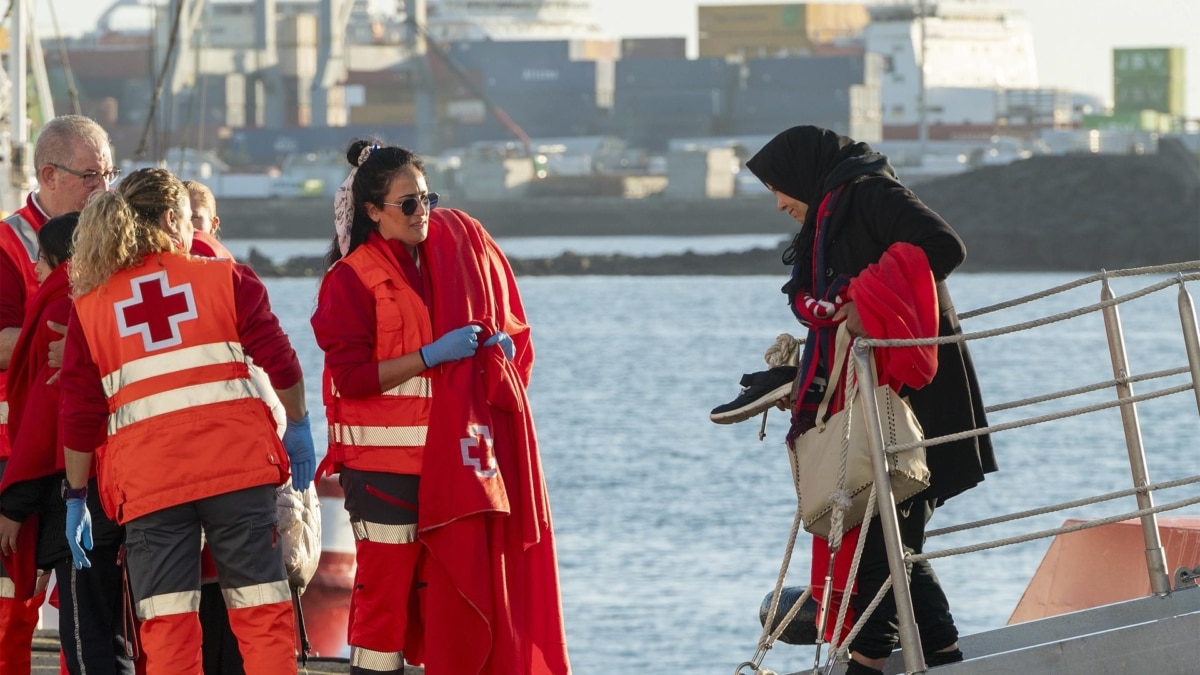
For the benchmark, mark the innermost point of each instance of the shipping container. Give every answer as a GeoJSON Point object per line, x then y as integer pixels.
{"type": "Point", "coordinates": [606, 49]}
{"type": "Point", "coordinates": [764, 111]}
{"type": "Point", "coordinates": [251, 145]}
{"type": "Point", "coordinates": [563, 76]}
{"type": "Point", "coordinates": [477, 55]}
{"type": "Point", "coordinates": [654, 48]}
{"type": "Point", "coordinates": [670, 102]}
{"type": "Point", "coordinates": [1149, 79]}
{"type": "Point", "coordinates": [813, 73]}
{"type": "Point", "coordinates": [384, 113]}
{"type": "Point", "coordinates": [1165, 96]}
{"type": "Point", "coordinates": [775, 29]}
{"type": "Point", "coordinates": [654, 74]}
{"type": "Point", "coordinates": [1161, 63]}
{"type": "Point", "coordinates": [550, 114]}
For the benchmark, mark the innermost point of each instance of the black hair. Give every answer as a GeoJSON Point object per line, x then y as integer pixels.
{"type": "Point", "coordinates": [55, 238]}
{"type": "Point", "coordinates": [370, 186]}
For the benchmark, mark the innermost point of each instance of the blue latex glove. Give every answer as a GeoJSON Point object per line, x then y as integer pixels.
{"type": "Point", "coordinates": [505, 341]}
{"type": "Point", "coordinates": [454, 345]}
{"type": "Point", "coordinates": [298, 442]}
{"type": "Point", "coordinates": [79, 532]}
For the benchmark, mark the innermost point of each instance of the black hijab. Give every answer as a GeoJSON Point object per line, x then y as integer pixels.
{"type": "Point", "coordinates": [805, 163]}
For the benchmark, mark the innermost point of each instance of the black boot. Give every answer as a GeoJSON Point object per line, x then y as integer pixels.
{"type": "Point", "coordinates": [942, 658]}
{"type": "Point", "coordinates": [856, 668]}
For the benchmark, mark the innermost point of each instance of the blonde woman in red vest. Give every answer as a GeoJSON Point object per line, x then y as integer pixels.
{"type": "Point", "coordinates": [427, 356]}
{"type": "Point", "coordinates": [160, 339]}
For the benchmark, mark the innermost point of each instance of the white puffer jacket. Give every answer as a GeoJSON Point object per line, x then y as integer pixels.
{"type": "Point", "coordinates": [299, 513]}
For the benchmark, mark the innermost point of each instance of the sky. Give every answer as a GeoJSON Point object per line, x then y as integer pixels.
{"type": "Point", "coordinates": [1073, 39]}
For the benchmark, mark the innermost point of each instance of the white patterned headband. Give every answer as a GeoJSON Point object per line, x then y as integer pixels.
{"type": "Point", "coordinates": [343, 202]}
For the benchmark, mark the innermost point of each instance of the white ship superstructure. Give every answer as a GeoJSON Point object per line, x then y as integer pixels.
{"type": "Point", "coordinates": [973, 51]}
{"type": "Point", "coordinates": [453, 20]}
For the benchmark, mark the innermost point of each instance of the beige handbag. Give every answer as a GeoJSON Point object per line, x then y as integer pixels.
{"type": "Point", "coordinates": [818, 452]}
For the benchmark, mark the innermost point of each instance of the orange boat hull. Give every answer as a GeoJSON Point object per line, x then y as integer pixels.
{"type": "Point", "coordinates": [1104, 565]}
{"type": "Point", "coordinates": [326, 601]}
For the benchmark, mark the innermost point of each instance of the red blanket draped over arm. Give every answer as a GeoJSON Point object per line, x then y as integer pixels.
{"type": "Point", "coordinates": [492, 600]}
{"type": "Point", "coordinates": [33, 415]}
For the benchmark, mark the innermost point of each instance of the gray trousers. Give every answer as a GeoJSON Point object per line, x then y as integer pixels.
{"type": "Point", "coordinates": [163, 549]}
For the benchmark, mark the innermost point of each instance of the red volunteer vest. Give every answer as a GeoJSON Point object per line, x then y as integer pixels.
{"type": "Point", "coordinates": [385, 432]}
{"type": "Point", "coordinates": [18, 243]}
{"type": "Point", "coordinates": [185, 421]}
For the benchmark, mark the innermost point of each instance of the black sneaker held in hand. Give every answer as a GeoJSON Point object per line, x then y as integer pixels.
{"type": "Point", "coordinates": [759, 391]}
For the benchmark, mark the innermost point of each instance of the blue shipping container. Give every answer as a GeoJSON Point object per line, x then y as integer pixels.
{"type": "Point", "coordinates": [531, 52]}
{"type": "Point", "coordinates": [816, 73]}
{"type": "Point", "coordinates": [561, 76]}
{"type": "Point", "coordinates": [670, 102]}
{"type": "Point", "coordinates": [769, 112]}
{"type": "Point", "coordinates": [707, 73]}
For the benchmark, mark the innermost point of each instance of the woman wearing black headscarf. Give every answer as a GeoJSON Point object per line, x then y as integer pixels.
{"type": "Point", "coordinates": [852, 210]}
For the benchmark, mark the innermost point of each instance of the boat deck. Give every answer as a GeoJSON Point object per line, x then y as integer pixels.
{"type": "Point", "coordinates": [46, 646]}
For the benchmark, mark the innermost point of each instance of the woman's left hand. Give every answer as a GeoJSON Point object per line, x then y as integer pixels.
{"type": "Point", "coordinates": [505, 341]}
{"type": "Point", "coordinates": [9, 529]}
{"type": "Point", "coordinates": [854, 324]}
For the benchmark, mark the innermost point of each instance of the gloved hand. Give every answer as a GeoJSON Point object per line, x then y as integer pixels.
{"type": "Point", "coordinates": [454, 345]}
{"type": "Point", "coordinates": [79, 531]}
{"type": "Point", "coordinates": [297, 440]}
{"type": "Point", "coordinates": [505, 341]}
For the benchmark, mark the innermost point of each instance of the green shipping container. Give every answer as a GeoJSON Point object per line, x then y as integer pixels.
{"type": "Point", "coordinates": [1149, 79]}
{"type": "Point", "coordinates": [1159, 63]}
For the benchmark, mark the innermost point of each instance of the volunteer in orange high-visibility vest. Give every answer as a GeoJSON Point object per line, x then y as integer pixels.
{"type": "Point", "coordinates": [427, 355]}
{"type": "Point", "coordinates": [72, 159]}
{"type": "Point", "coordinates": [156, 360]}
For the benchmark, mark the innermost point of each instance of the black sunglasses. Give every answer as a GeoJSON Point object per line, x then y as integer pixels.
{"type": "Point", "coordinates": [409, 206]}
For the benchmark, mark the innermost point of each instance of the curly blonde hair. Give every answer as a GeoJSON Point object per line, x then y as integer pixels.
{"type": "Point", "coordinates": [117, 230]}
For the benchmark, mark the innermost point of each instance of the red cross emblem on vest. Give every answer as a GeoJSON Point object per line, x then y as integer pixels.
{"type": "Point", "coordinates": [155, 311]}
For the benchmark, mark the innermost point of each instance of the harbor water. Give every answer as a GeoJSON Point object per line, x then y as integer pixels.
{"type": "Point", "coordinates": [671, 529]}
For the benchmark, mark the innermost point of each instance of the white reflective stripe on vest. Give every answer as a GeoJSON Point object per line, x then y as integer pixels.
{"type": "Point", "coordinates": [380, 437]}
{"type": "Point", "coordinates": [167, 604]}
{"type": "Point", "coordinates": [25, 234]}
{"type": "Point", "coordinates": [362, 658]}
{"type": "Point", "coordinates": [3, 412]}
{"type": "Point", "coordinates": [181, 359]}
{"type": "Point", "coordinates": [180, 399]}
{"type": "Point", "coordinates": [7, 588]}
{"type": "Point", "coordinates": [382, 533]}
{"type": "Point", "coordinates": [257, 595]}
{"type": "Point", "coordinates": [420, 387]}
{"type": "Point", "coordinates": [414, 387]}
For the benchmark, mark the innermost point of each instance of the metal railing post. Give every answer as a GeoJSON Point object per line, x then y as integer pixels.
{"type": "Point", "coordinates": [1160, 581]}
{"type": "Point", "coordinates": [910, 638]}
{"type": "Point", "coordinates": [1191, 340]}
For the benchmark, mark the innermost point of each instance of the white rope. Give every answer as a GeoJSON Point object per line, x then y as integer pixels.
{"type": "Point", "coordinates": [1135, 271]}
{"type": "Point", "coordinates": [1052, 532]}
{"type": "Point", "coordinates": [1108, 384]}
{"type": "Point", "coordinates": [785, 351]}
{"type": "Point", "coordinates": [1026, 325]}
{"type": "Point", "coordinates": [1030, 421]}
{"type": "Point", "coordinates": [838, 644]}
{"type": "Point", "coordinates": [1062, 507]}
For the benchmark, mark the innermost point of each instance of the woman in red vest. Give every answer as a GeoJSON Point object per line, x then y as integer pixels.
{"type": "Point", "coordinates": [433, 438]}
{"type": "Point", "coordinates": [160, 339]}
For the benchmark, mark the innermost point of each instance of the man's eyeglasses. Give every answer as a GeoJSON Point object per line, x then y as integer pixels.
{"type": "Point", "coordinates": [91, 178]}
{"type": "Point", "coordinates": [409, 206]}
